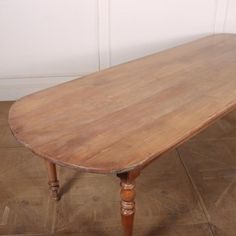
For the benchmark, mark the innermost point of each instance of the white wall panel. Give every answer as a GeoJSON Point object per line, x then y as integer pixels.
{"type": "Point", "coordinates": [14, 88]}
{"type": "Point", "coordinates": [48, 38]}
{"type": "Point", "coordinates": [104, 36]}
{"type": "Point", "coordinates": [230, 23]}
{"type": "Point", "coordinates": [46, 42]}
{"type": "Point", "coordinates": [141, 27]}
{"type": "Point", "coordinates": [221, 15]}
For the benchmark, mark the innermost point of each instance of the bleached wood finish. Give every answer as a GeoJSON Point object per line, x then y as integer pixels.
{"type": "Point", "coordinates": [126, 116]}
{"type": "Point", "coordinates": [121, 119]}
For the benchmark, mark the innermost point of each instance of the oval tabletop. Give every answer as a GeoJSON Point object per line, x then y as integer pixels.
{"type": "Point", "coordinates": [124, 117]}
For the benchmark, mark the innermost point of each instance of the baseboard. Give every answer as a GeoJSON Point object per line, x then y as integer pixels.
{"type": "Point", "coordinates": [14, 88]}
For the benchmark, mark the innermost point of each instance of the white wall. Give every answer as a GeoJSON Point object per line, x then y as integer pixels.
{"type": "Point", "coordinates": [46, 42]}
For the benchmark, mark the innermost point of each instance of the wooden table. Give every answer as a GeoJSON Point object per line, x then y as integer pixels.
{"type": "Point", "coordinates": [119, 120]}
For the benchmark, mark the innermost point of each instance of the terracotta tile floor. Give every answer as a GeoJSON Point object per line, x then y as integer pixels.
{"type": "Point", "coordinates": [190, 191]}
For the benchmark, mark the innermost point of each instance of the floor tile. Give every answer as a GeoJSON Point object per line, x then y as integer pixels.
{"type": "Point", "coordinates": [4, 108]}
{"type": "Point", "coordinates": [212, 168]}
{"type": "Point", "coordinates": [164, 197]}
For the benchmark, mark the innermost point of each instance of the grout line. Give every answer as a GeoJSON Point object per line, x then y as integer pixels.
{"type": "Point", "coordinates": [196, 192]}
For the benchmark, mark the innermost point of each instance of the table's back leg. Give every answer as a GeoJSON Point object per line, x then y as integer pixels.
{"type": "Point", "coordinates": [52, 180]}
{"type": "Point", "coordinates": [127, 194]}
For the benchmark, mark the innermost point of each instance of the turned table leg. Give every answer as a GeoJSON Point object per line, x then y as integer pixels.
{"type": "Point", "coordinates": [127, 194]}
{"type": "Point", "coordinates": [52, 179]}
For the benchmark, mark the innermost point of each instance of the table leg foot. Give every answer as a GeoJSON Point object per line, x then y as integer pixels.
{"type": "Point", "coordinates": [52, 180]}
{"type": "Point", "coordinates": [127, 194]}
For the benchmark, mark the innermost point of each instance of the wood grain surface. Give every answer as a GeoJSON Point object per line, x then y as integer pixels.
{"type": "Point", "coordinates": [188, 192]}
{"type": "Point", "coordinates": [124, 117]}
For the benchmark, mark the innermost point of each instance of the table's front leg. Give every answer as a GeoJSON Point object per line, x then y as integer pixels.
{"type": "Point", "coordinates": [127, 194]}
{"type": "Point", "coordinates": [52, 179]}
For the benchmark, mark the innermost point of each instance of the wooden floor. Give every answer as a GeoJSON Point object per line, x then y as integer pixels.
{"type": "Point", "coordinates": [190, 191]}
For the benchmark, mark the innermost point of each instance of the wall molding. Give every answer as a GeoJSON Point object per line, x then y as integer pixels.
{"type": "Point", "coordinates": [221, 15]}
{"type": "Point", "coordinates": [14, 88]}
{"type": "Point", "coordinates": [104, 33]}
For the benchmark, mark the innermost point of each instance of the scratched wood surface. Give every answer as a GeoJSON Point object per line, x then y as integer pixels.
{"type": "Point", "coordinates": [124, 117]}
{"type": "Point", "coordinates": [189, 192]}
